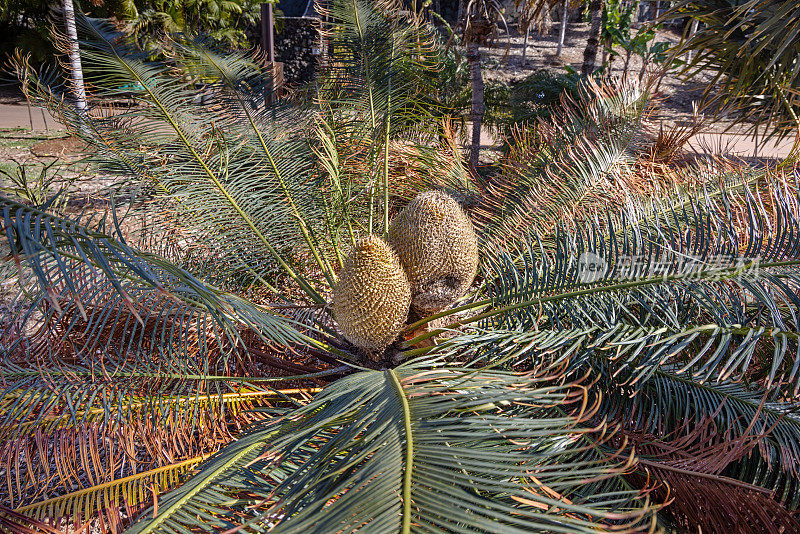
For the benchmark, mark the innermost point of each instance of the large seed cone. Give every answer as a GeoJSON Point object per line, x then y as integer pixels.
{"type": "Point", "coordinates": [372, 297]}
{"type": "Point", "coordinates": [437, 245]}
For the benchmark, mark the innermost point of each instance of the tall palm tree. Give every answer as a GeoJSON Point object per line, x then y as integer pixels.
{"type": "Point", "coordinates": [76, 72]}
{"type": "Point", "coordinates": [625, 360]}
{"type": "Point", "coordinates": [478, 23]}
{"type": "Point", "coordinates": [595, 27]}
{"type": "Point", "coordinates": [563, 28]}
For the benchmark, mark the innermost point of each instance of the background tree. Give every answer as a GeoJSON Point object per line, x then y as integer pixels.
{"type": "Point", "coordinates": [477, 24]}
{"type": "Point", "coordinates": [25, 24]}
{"type": "Point", "coordinates": [76, 71]}
{"type": "Point", "coordinates": [595, 28]}
{"type": "Point", "coordinates": [224, 21]}
{"type": "Point", "coordinates": [563, 27]}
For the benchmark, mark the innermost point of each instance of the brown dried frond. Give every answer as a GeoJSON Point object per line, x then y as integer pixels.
{"type": "Point", "coordinates": [689, 467]}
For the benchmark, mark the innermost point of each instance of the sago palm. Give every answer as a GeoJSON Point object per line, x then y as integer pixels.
{"type": "Point", "coordinates": [625, 360]}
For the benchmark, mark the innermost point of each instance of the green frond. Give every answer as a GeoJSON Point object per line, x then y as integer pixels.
{"type": "Point", "coordinates": [415, 449]}
{"type": "Point", "coordinates": [693, 276]}
{"type": "Point", "coordinates": [91, 281]}
{"type": "Point", "coordinates": [227, 199]}
{"type": "Point", "coordinates": [565, 168]}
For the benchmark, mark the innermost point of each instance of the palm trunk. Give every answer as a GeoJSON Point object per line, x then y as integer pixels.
{"type": "Point", "coordinates": [590, 53]}
{"type": "Point", "coordinates": [476, 77]}
{"type": "Point", "coordinates": [692, 31]}
{"type": "Point", "coordinates": [563, 32]}
{"type": "Point", "coordinates": [627, 62]}
{"type": "Point", "coordinates": [525, 43]}
{"type": "Point", "coordinates": [78, 89]}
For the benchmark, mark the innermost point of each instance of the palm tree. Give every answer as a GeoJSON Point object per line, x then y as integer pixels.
{"type": "Point", "coordinates": [590, 53]}
{"type": "Point", "coordinates": [76, 72]}
{"type": "Point", "coordinates": [563, 29]}
{"type": "Point", "coordinates": [184, 340]}
{"type": "Point", "coordinates": [478, 22]}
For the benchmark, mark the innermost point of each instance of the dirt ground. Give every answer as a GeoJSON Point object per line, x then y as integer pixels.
{"type": "Point", "coordinates": [504, 62]}
{"type": "Point", "coordinates": [674, 101]}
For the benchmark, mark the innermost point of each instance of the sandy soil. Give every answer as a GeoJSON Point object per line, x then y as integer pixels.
{"type": "Point", "coordinates": [504, 62]}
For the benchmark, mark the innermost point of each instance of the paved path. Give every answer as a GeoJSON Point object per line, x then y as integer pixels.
{"type": "Point", "coordinates": [740, 145]}
{"type": "Point", "coordinates": [17, 116]}
{"type": "Point", "coordinates": [706, 143]}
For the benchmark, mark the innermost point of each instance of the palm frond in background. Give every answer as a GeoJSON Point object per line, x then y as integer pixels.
{"type": "Point", "coordinates": [566, 166]}
{"type": "Point", "coordinates": [750, 47]}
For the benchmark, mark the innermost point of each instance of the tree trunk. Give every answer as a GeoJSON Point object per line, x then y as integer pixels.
{"type": "Point", "coordinates": [692, 31]}
{"type": "Point", "coordinates": [78, 89]}
{"type": "Point", "coordinates": [563, 28]}
{"type": "Point", "coordinates": [590, 53]}
{"type": "Point", "coordinates": [525, 43]}
{"type": "Point", "coordinates": [627, 62]}
{"type": "Point", "coordinates": [476, 77]}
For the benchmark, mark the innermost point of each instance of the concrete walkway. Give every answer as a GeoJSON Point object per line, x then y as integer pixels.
{"type": "Point", "coordinates": [21, 116]}
{"type": "Point", "coordinates": [740, 145]}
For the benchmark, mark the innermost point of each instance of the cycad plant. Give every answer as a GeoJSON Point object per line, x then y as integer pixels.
{"type": "Point", "coordinates": [625, 360]}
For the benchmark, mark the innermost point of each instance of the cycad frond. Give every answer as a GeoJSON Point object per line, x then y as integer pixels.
{"type": "Point", "coordinates": [229, 199]}
{"type": "Point", "coordinates": [734, 409]}
{"type": "Point", "coordinates": [694, 275]}
{"type": "Point", "coordinates": [105, 500]}
{"type": "Point", "coordinates": [69, 270]}
{"type": "Point", "coordinates": [696, 463]}
{"type": "Point", "coordinates": [416, 449]}
{"type": "Point", "coordinates": [565, 167]}
{"type": "Point", "coordinates": [111, 341]}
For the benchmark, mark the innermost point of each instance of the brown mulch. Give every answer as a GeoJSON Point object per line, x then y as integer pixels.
{"type": "Point", "coordinates": [59, 147]}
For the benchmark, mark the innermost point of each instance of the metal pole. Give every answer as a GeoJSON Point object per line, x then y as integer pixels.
{"type": "Point", "coordinates": [264, 20]}
{"type": "Point", "coordinates": [270, 34]}
{"type": "Point", "coordinates": [268, 47]}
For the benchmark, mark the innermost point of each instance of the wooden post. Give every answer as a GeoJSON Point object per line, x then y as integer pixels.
{"type": "Point", "coordinates": [270, 34]}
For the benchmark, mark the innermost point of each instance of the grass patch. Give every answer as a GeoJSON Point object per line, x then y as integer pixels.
{"type": "Point", "coordinates": [26, 138]}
